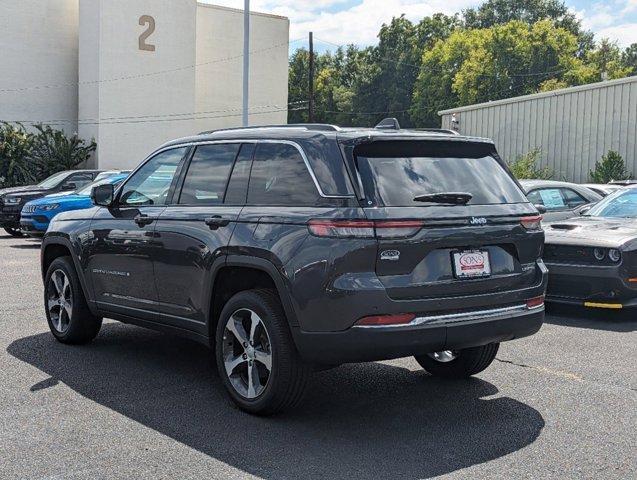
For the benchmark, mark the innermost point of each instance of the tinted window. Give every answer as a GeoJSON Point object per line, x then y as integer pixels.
{"type": "Point", "coordinates": [397, 180]}
{"type": "Point", "coordinates": [151, 183]}
{"type": "Point", "coordinates": [79, 179]}
{"type": "Point", "coordinates": [238, 184]}
{"type": "Point", "coordinates": [622, 203]}
{"type": "Point", "coordinates": [207, 176]}
{"type": "Point", "coordinates": [572, 198]}
{"type": "Point", "coordinates": [279, 177]}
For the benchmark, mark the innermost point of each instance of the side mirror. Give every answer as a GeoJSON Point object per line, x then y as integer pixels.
{"type": "Point", "coordinates": [102, 195]}
{"type": "Point", "coordinates": [540, 208]}
{"type": "Point", "coordinates": [69, 186]}
{"type": "Point", "coordinates": [585, 209]}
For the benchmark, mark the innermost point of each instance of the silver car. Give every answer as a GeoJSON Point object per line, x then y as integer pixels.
{"type": "Point", "coordinates": [561, 200]}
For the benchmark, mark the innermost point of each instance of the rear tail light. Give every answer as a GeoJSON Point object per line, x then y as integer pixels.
{"type": "Point", "coordinates": [365, 228]}
{"type": "Point", "coordinates": [384, 320]}
{"type": "Point", "coordinates": [532, 223]}
{"type": "Point", "coordinates": [536, 302]}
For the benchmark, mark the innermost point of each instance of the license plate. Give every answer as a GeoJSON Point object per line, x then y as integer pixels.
{"type": "Point", "coordinates": [471, 263]}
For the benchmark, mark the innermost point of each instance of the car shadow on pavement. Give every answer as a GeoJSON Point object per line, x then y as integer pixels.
{"type": "Point", "coordinates": [29, 245]}
{"type": "Point", "coordinates": [597, 319]}
{"type": "Point", "coordinates": [358, 421]}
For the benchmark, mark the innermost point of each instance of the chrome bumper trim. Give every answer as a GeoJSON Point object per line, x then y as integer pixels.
{"type": "Point", "coordinates": [452, 318]}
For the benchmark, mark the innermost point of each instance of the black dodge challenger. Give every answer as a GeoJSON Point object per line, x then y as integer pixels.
{"type": "Point", "coordinates": [592, 259]}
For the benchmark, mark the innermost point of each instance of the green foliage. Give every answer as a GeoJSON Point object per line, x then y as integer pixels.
{"type": "Point", "coordinates": [611, 167]}
{"type": "Point", "coordinates": [53, 151]}
{"type": "Point", "coordinates": [501, 49]}
{"type": "Point", "coordinates": [26, 157]}
{"type": "Point", "coordinates": [526, 166]}
{"type": "Point", "coordinates": [15, 146]}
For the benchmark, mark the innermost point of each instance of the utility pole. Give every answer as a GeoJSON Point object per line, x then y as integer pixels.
{"type": "Point", "coordinates": [246, 61]}
{"type": "Point", "coordinates": [310, 89]}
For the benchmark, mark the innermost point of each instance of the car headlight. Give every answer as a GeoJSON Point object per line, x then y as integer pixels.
{"type": "Point", "coordinates": [48, 208]}
{"type": "Point", "coordinates": [599, 253]}
{"type": "Point", "coordinates": [12, 201]}
{"type": "Point", "coordinates": [615, 255]}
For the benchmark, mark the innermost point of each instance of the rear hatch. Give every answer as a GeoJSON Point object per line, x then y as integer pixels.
{"type": "Point", "coordinates": [449, 219]}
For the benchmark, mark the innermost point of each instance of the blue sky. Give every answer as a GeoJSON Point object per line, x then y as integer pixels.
{"type": "Point", "coordinates": [357, 21]}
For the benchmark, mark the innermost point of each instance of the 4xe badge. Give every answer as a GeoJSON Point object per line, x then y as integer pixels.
{"type": "Point", "coordinates": [478, 221]}
{"type": "Point", "coordinates": [391, 255]}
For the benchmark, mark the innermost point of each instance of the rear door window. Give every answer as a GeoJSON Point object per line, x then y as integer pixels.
{"type": "Point", "coordinates": [280, 177]}
{"type": "Point", "coordinates": [208, 173]}
{"type": "Point", "coordinates": [395, 175]}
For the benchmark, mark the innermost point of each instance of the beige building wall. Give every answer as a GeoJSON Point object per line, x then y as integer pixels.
{"type": "Point", "coordinates": [39, 62]}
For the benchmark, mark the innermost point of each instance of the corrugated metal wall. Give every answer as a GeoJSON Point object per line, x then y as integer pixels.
{"type": "Point", "coordinates": [574, 127]}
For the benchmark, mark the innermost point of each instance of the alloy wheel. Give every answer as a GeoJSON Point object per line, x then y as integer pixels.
{"type": "Point", "coordinates": [60, 301]}
{"type": "Point", "coordinates": [247, 353]}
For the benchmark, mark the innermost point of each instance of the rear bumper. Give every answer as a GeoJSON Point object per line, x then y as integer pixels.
{"type": "Point", "coordinates": [425, 335]}
{"type": "Point", "coordinates": [592, 286]}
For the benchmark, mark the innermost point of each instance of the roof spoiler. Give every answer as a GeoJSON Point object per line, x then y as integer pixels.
{"type": "Point", "coordinates": [388, 124]}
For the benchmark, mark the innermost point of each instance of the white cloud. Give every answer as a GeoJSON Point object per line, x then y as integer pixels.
{"type": "Point", "coordinates": [625, 34]}
{"type": "Point", "coordinates": [358, 23]}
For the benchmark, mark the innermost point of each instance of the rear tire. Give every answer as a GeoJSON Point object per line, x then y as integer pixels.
{"type": "Point", "coordinates": [256, 356]}
{"type": "Point", "coordinates": [459, 363]}
{"type": "Point", "coordinates": [67, 312]}
{"type": "Point", "coordinates": [14, 232]}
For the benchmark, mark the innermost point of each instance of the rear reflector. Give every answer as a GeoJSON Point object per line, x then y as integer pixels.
{"type": "Point", "coordinates": [379, 320]}
{"type": "Point", "coordinates": [632, 280]}
{"type": "Point", "coordinates": [365, 228]}
{"type": "Point", "coordinates": [536, 302]}
{"type": "Point", "coordinates": [532, 223]}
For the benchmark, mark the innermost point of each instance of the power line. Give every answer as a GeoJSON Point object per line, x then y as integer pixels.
{"type": "Point", "coordinates": [144, 75]}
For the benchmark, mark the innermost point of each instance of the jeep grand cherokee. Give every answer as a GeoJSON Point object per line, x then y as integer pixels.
{"type": "Point", "coordinates": [288, 248]}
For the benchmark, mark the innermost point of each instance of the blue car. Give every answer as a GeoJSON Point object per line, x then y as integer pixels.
{"type": "Point", "coordinates": [37, 214]}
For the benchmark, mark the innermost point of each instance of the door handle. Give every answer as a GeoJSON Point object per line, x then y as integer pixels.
{"type": "Point", "coordinates": [143, 220]}
{"type": "Point", "coordinates": [216, 221]}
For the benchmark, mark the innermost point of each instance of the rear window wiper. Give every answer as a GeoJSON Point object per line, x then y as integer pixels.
{"type": "Point", "coordinates": [451, 198]}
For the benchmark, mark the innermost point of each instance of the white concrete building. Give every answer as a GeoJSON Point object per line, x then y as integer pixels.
{"type": "Point", "coordinates": [135, 74]}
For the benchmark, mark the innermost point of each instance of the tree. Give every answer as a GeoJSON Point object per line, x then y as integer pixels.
{"type": "Point", "coordinates": [526, 166]}
{"type": "Point", "coordinates": [15, 147]}
{"type": "Point", "coordinates": [611, 167]}
{"type": "Point", "coordinates": [503, 61]}
{"type": "Point", "coordinates": [497, 12]}
{"type": "Point", "coordinates": [52, 151]}
{"type": "Point", "coordinates": [605, 62]}
{"type": "Point", "coordinates": [629, 58]}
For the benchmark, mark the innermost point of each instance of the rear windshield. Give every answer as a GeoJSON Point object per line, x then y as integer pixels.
{"type": "Point", "coordinates": [393, 175]}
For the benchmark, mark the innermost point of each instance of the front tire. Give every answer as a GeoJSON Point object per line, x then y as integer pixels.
{"type": "Point", "coordinates": [67, 312]}
{"type": "Point", "coordinates": [459, 363]}
{"type": "Point", "coordinates": [14, 232]}
{"type": "Point", "coordinates": [256, 357]}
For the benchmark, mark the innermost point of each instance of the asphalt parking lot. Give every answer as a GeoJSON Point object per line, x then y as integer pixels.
{"type": "Point", "coordinates": [139, 404]}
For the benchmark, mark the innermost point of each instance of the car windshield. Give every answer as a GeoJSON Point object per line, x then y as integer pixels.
{"type": "Point", "coordinates": [411, 176]}
{"type": "Point", "coordinates": [53, 180]}
{"type": "Point", "coordinates": [622, 204]}
{"type": "Point", "coordinates": [87, 189]}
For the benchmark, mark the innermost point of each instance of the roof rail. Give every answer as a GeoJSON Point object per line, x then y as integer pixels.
{"type": "Point", "coordinates": [323, 127]}
{"type": "Point", "coordinates": [438, 130]}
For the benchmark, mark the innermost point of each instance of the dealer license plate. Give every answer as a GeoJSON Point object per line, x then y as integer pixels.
{"type": "Point", "coordinates": [471, 263]}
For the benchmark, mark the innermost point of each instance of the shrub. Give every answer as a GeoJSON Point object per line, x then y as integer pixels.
{"type": "Point", "coordinates": [15, 146]}
{"type": "Point", "coordinates": [611, 167]}
{"type": "Point", "coordinates": [525, 166]}
{"type": "Point", "coordinates": [53, 151]}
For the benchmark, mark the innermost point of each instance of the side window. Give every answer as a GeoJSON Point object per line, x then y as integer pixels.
{"type": "Point", "coordinates": [279, 177]}
{"type": "Point", "coordinates": [572, 198]}
{"type": "Point", "coordinates": [238, 184]}
{"type": "Point", "coordinates": [207, 176]}
{"type": "Point", "coordinates": [151, 183]}
{"type": "Point", "coordinates": [79, 180]}
{"type": "Point", "coordinates": [551, 198]}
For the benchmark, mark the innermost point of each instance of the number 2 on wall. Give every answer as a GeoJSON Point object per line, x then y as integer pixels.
{"type": "Point", "coordinates": [150, 21]}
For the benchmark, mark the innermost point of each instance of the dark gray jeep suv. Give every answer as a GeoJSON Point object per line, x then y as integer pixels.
{"type": "Point", "coordinates": [290, 248]}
